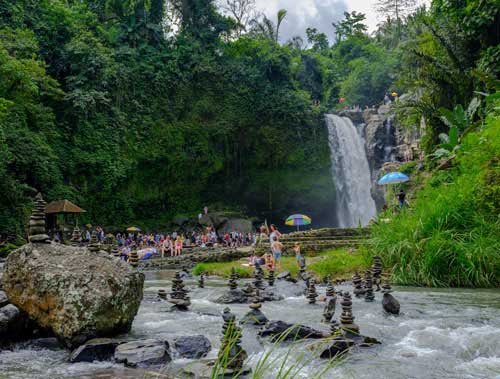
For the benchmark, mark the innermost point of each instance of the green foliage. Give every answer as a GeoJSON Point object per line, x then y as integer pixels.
{"type": "Point", "coordinates": [450, 236]}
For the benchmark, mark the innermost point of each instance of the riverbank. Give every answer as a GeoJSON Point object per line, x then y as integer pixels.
{"type": "Point", "coordinates": [336, 263]}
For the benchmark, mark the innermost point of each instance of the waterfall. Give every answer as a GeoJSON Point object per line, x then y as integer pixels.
{"type": "Point", "coordinates": [354, 204]}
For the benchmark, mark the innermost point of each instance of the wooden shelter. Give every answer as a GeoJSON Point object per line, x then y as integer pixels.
{"type": "Point", "coordinates": [61, 208]}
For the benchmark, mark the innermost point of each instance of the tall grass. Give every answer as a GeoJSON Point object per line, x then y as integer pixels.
{"type": "Point", "coordinates": [451, 234]}
{"type": "Point", "coordinates": [288, 363]}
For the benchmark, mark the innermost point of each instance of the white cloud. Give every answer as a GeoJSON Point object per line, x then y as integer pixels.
{"type": "Point", "coordinates": [318, 14]}
{"type": "Point", "coordinates": [302, 14]}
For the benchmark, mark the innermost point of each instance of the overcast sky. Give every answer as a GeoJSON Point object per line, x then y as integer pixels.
{"type": "Point", "coordinates": [316, 13]}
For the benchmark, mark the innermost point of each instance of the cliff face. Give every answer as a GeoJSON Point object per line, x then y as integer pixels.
{"type": "Point", "coordinates": [385, 141]}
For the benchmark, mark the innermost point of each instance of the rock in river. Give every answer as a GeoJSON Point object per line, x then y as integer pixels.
{"type": "Point", "coordinates": [144, 353]}
{"type": "Point", "coordinates": [97, 349]}
{"type": "Point", "coordinates": [192, 347]}
{"type": "Point", "coordinates": [77, 294]}
{"type": "Point", "coordinates": [281, 329]}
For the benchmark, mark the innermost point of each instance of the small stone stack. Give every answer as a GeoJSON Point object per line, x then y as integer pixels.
{"type": "Point", "coordinates": [386, 287]}
{"type": "Point", "coordinates": [201, 281]}
{"type": "Point", "coordinates": [178, 294]}
{"type": "Point", "coordinates": [330, 303]}
{"type": "Point", "coordinates": [133, 258]}
{"type": "Point", "coordinates": [36, 228]}
{"type": "Point", "coordinates": [75, 237]}
{"type": "Point", "coordinates": [346, 318]}
{"type": "Point", "coordinates": [115, 251]}
{"type": "Point", "coordinates": [94, 245]}
{"type": "Point", "coordinates": [330, 290]}
{"type": "Point", "coordinates": [233, 280]}
{"type": "Point", "coordinates": [311, 292]}
{"type": "Point", "coordinates": [377, 271]}
{"type": "Point", "coordinates": [231, 354]}
{"type": "Point", "coordinates": [334, 327]}
{"type": "Point", "coordinates": [369, 296]}
{"type": "Point", "coordinates": [270, 278]}
{"type": "Point", "coordinates": [162, 294]}
{"type": "Point", "coordinates": [358, 285]}
{"type": "Point", "coordinates": [258, 276]}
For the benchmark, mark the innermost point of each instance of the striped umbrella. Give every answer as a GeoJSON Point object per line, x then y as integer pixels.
{"type": "Point", "coordinates": [297, 220]}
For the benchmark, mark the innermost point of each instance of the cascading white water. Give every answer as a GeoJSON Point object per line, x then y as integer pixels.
{"type": "Point", "coordinates": [354, 204]}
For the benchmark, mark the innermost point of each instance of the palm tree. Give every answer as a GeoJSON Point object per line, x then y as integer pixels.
{"type": "Point", "coordinates": [281, 17]}
{"type": "Point", "coordinates": [263, 26]}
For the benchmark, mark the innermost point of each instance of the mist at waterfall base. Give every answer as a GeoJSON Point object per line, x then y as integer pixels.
{"type": "Point", "coordinates": [354, 204]}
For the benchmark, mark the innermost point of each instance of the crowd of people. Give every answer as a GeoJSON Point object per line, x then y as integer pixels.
{"type": "Point", "coordinates": [173, 244]}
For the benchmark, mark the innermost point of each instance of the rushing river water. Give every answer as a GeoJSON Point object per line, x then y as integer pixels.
{"type": "Point", "coordinates": [440, 334]}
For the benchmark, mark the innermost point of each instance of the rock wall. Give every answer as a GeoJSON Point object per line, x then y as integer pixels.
{"type": "Point", "coordinates": [385, 141]}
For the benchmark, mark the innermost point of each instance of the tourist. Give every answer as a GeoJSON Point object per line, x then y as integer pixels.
{"type": "Point", "coordinates": [301, 261]}
{"type": "Point", "coordinates": [274, 233]}
{"type": "Point", "coordinates": [269, 261]}
{"type": "Point", "coordinates": [277, 248]}
{"type": "Point", "coordinates": [401, 198]}
{"type": "Point", "coordinates": [178, 246]}
{"type": "Point", "coordinates": [87, 235]}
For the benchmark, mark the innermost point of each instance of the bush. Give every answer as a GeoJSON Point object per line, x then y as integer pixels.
{"type": "Point", "coordinates": [451, 236]}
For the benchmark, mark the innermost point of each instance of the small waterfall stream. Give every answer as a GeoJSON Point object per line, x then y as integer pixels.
{"type": "Point", "coordinates": [354, 203]}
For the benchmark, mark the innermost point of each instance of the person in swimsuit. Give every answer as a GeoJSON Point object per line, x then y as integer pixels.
{"type": "Point", "coordinates": [277, 248]}
{"type": "Point", "coordinates": [269, 261]}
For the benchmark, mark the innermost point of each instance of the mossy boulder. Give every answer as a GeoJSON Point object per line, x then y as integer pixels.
{"type": "Point", "coordinates": [77, 294]}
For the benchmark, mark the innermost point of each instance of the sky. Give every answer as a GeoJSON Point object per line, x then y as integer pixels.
{"type": "Point", "coordinates": [317, 13]}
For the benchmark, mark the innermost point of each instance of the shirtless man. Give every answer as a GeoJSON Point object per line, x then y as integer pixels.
{"type": "Point", "coordinates": [277, 248]}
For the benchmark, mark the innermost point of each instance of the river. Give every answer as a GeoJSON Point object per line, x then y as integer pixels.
{"type": "Point", "coordinates": [441, 333]}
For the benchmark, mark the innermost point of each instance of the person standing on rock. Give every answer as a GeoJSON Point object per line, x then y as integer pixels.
{"type": "Point", "coordinates": [277, 248]}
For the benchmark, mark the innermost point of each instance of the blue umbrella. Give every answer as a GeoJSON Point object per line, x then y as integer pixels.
{"type": "Point", "coordinates": [393, 178]}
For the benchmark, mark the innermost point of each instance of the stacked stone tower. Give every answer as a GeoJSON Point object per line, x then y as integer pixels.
{"type": "Point", "coordinates": [36, 228]}
{"type": "Point", "coordinates": [346, 318]}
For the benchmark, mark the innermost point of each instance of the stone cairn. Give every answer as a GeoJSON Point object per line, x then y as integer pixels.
{"type": "Point", "coordinates": [369, 296]}
{"type": "Point", "coordinates": [94, 246]}
{"type": "Point", "coordinates": [358, 285]}
{"type": "Point", "coordinates": [330, 290]}
{"type": "Point", "coordinates": [162, 294]}
{"type": "Point", "coordinates": [36, 228]}
{"type": "Point", "coordinates": [311, 292]}
{"type": "Point", "coordinates": [258, 276]}
{"type": "Point", "coordinates": [231, 354]}
{"type": "Point", "coordinates": [75, 237]}
{"type": "Point", "coordinates": [115, 251]}
{"type": "Point", "coordinates": [377, 271]}
{"type": "Point", "coordinates": [334, 327]}
{"type": "Point", "coordinates": [256, 300]}
{"type": "Point", "coordinates": [233, 280]}
{"type": "Point", "coordinates": [386, 287]}
{"type": "Point", "coordinates": [133, 258]}
{"type": "Point", "coordinates": [346, 318]}
{"type": "Point", "coordinates": [201, 281]}
{"type": "Point", "coordinates": [330, 303]}
{"type": "Point", "coordinates": [270, 278]}
{"type": "Point", "coordinates": [178, 294]}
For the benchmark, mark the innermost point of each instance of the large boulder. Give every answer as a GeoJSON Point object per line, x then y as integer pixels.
{"type": "Point", "coordinates": [242, 225]}
{"type": "Point", "coordinates": [77, 294]}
